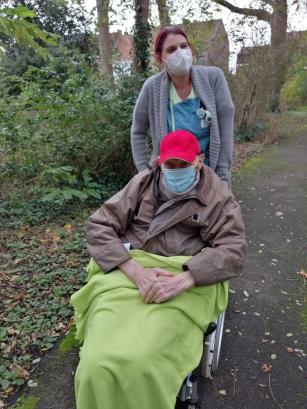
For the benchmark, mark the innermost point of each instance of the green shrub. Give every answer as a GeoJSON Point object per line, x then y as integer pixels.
{"type": "Point", "coordinates": [247, 135]}
{"type": "Point", "coordinates": [294, 92]}
{"type": "Point", "coordinates": [65, 132]}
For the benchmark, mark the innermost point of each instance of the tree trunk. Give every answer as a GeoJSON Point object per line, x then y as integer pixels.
{"type": "Point", "coordinates": [104, 42]}
{"type": "Point", "coordinates": [141, 36]}
{"type": "Point", "coordinates": [163, 13]}
{"type": "Point", "coordinates": [279, 50]}
{"type": "Point", "coordinates": [278, 23]}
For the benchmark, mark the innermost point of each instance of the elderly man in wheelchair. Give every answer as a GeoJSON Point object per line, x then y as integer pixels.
{"type": "Point", "coordinates": [163, 249]}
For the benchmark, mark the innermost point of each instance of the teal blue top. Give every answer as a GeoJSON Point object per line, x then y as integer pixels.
{"type": "Point", "coordinates": [182, 114]}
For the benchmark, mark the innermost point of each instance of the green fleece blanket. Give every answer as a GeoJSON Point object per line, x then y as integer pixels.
{"type": "Point", "coordinates": [136, 355]}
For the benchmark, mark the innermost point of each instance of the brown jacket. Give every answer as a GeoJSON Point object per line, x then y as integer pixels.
{"type": "Point", "coordinates": [206, 224]}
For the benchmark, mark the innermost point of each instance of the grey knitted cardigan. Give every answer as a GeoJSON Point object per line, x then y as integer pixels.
{"type": "Point", "coordinates": [150, 113]}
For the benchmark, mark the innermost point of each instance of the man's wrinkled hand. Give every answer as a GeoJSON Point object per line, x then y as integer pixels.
{"type": "Point", "coordinates": [155, 284]}
{"type": "Point", "coordinates": [164, 288]}
{"type": "Point", "coordinates": [144, 278]}
{"type": "Point", "coordinates": [148, 277]}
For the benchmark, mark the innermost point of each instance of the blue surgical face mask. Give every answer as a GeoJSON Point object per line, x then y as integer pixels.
{"type": "Point", "coordinates": [179, 180]}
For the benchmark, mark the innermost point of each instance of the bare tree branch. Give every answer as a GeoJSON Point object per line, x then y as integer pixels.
{"type": "Point", "coordinates": [259, 13]}
{"type": "Point", "coordinates": [299, 3]}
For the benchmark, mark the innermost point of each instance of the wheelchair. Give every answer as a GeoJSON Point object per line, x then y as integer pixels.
{"type": "Point", "coordinates": [188, 397]}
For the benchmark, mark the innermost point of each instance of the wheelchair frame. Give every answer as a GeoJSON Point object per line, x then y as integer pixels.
{"type": "Point", "coordinates": [212, 347]}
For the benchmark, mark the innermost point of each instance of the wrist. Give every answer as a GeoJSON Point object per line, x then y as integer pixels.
{"type": "Point", "coordinates": [132, 269]}
{"type": "Point", "coordinates": [187, 279]}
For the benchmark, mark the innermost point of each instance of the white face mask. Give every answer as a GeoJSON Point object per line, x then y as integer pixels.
{"type": "Point", "coordinates": [179, 62]}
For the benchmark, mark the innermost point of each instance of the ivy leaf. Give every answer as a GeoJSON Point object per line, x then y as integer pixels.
{"type": "Point", "coordinates": [4, 384]}
{"type": "Point", "coordinates": [3, 332]}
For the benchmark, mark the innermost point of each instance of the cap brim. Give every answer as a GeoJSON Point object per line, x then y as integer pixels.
{"type": "Point", "coordinates": [185, 156]}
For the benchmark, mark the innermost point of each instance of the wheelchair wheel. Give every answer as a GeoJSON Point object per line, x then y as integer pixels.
{"type": "Point", "coordinates": [192, 406]}
{"type": "Point", "coordinates": [186, 405]}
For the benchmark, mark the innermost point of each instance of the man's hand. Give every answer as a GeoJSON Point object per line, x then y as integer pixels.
{"type": "Point", "coordinates": [143, 277]}
{"type": "Point", "coordinates": [155, 284]}
{"type": "Point", "coordinates": [164, 288]}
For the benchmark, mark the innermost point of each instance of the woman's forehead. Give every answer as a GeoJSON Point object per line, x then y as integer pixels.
{"type": "Point", "coordinates": [174, 39]}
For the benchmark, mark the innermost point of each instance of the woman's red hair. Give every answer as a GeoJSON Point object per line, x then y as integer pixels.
{"type": "Point", "coordinates": [161, 37]}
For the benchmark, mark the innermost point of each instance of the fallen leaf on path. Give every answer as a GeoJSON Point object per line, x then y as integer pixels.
{"type": "Point", "coordinates": [266, 368]}
{"type": "Point", "coordinates": [222, 392]}
{"type": "Point", "coordinates": [303, 274]}
{"type": "Point", "coordinates": [14, 278]}
{"type": "Point", "coordinates": [19, 371]}
{"type": "Point", "coordinates": [61, 326]}
{"type": "Point", "coordinates": [9, 391]}
{"type": "Point", "coordinates": [246, 293]}
{"type": "Point", "coordinates": [12, 331]}
{"type": "Point", "coordinates": [300, 368]}
{"type": "Point", "coordinates": [234, 371]}
{"type": "Point", "coordinates": [36, 361]}
{"type": "Point", "coordinates": [68, 227]}
{"type": "Point", "coordinates": [290, 350]}
{"type": "Point", "coordinates": [279, 213]}
{"type": "Point", "coordinates": [289, 334]}
{"type": "Point", "coordinates": [18, 296]}
{"type": "Point", "coordinates": [32, 384]}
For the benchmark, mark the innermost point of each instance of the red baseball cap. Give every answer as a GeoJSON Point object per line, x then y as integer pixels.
{"type": "Point", "coordinates": [179, 145]}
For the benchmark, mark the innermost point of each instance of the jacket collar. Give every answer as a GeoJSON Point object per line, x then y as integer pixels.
{"type": "Point", "coordinates": [200, 192]}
